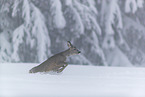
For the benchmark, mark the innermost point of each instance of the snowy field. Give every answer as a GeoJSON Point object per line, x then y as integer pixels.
{"type": "Point", "coordinates": [75, 81]}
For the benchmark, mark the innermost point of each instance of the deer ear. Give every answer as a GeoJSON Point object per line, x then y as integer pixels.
{"type": "Point", "coordinates": [69, 44]}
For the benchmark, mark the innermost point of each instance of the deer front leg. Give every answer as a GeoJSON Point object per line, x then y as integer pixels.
{"type": "Point", "coordinates": [62, 68]}
{"type": "Point", "coordinates": [59, 66]}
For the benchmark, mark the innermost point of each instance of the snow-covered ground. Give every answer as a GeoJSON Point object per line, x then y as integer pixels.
{"type": "Point", "coordinates": [75, 81]}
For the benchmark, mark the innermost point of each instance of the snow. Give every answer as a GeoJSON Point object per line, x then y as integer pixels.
{"type": "Point", "coordinates": [42, 36]}
{"type": "Point", "coordinates": [79, 22]}
{"type": "Point", "coordinates": [86, 14]}
{"type": "Point", "coordinates": [112, 16]}
{"type": "Point", "coordinates": [14, 8]}
{"type": "Point", "coordinates": [118, 58]}
{"type": "Point", "coordinates": [140, 3]}
{"type": "Point", "coordinates": [75, 81]}
{"type": "Point", "coordinates": [18, 35]}
{"type": "Point", "coordinates": [56, 11]}
{"type": "Point", "coordinates": [38, 30]}
{"type": "Point", "coordinates": [33, 29]}
{"type": "Point", "coordinates": [68, 2]}
{"type": "Point", "coordinates": [26, 11]}
{"type": "Point", "coordinates": [133, 5]}
{"type": "Point", "coordinates": [5, 48]}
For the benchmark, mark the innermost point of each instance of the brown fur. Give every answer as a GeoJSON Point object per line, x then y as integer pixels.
{"type": "Point", "coordinates": [57, 62]}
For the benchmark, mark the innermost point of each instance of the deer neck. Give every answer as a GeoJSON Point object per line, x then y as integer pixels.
{"type": "Point", "coordinates": [66, 52]}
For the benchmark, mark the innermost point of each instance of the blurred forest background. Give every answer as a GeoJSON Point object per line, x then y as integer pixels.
{"type": "Point", "coordinates": [107, 32]}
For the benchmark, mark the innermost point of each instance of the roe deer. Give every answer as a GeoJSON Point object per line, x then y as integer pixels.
{"type": "Point", "coordinates": [57, 62]}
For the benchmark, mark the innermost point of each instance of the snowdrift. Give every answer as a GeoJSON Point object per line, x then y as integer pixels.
{"type": "Point", "coordinates": [75, 81]}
